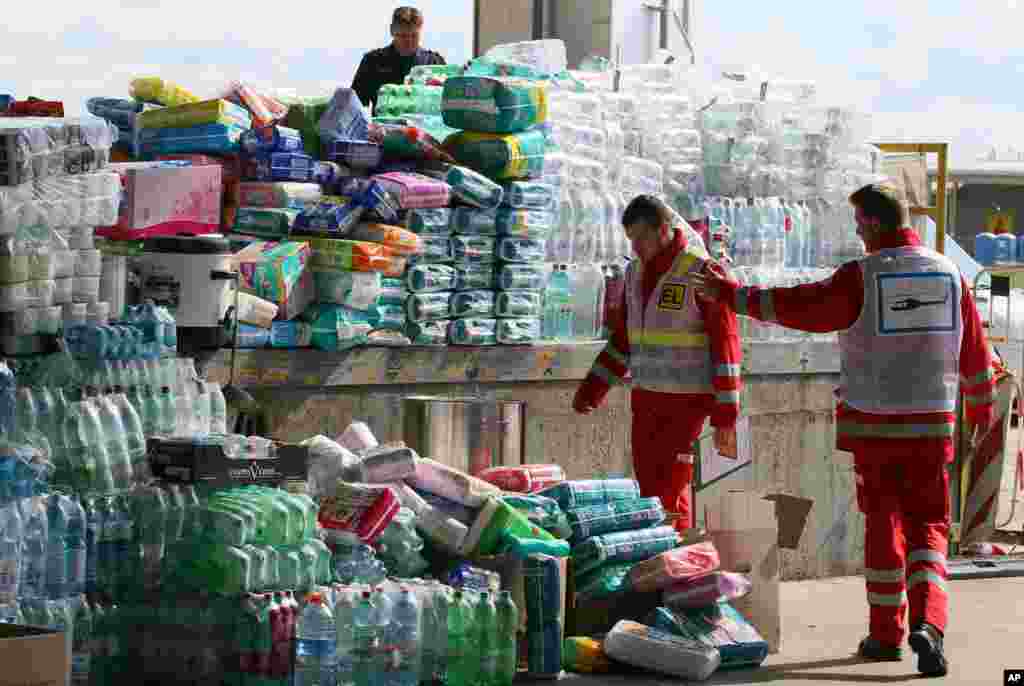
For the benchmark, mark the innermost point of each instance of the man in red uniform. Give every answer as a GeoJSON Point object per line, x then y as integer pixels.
{"type": "Point", "coordinates": [910, 339]}
{"type": "Point", "coordinates": [682, 352]}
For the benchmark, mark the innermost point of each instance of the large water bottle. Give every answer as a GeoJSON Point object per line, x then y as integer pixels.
{"type": "Point", "coordinates": [344, 619]}
{"type": "Point", "coordinates": [57, 516]}
{"type": "Point", "coordinates": [125, 563]}
{"type": "Point", "coordinates": [586, 225]}
{"type": "Point", "coordinates": [486, 622]}
{"type": "Point", "coordinates": [461, 670]}
{"type": "Point", "coordinates": [384, 657]}
{"type": "Point", "coordinates": [587, 292]}
{"type": "Point", "coordinates": [558, 314]}
{"type": "Point", "coordinates": [167, 413]}
{"type": "Point", "coordinates": [8, 387]}
{"type": "Point", "coordinates": [76, 548]}
{"type": "Point", "coordinates": [170, 331]}
{"type": "Point", "coordinates": [34, 548]}
{"type": "Point", "coordinates": [82, 643]}
{"type": "Point", "coordinates": [93, 534]}
{"type": "Point", "coordinates": [135, 437]}
{"type": "Point", "coordinates": [367, 640]}
{"type": "Point", "coordinates": [440, 602]}
{"type": "Point", "coordinates": [218, 409]}
{"type": "Point", "coordinates": [116, 436]}
{"type": "Point", "coordinates": [11, 551]}
{"type": "Point", "coordinates": [406, 635]}
{"type": "Point", "coordinates": [560, 245]}
{"type": "Point", "coordinates": [97, 461]}
{"type": "Point", "coordinates": [508, 628]}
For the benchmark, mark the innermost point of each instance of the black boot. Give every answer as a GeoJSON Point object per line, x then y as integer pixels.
{"type": "Point", "coordinates": [926, 641]}
{"type": "Point", "coordinates": [873, 649]}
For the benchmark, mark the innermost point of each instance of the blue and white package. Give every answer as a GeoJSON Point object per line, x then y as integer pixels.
{"type": "Point", "coordinates": [426, 278]}
{"type": "Point", "coordinates": [326, 173]}
{"type": "Point", "coordinates": [473, 331]}
{"type": "Point", "coordinates": [434, 221]}
{"type": "Point", "coordinates": [293, 334]}
{"type": "Point", "coordinates": [250, 336]}
{"type": "Point", "coordinates": [271, 139]}
{"type": "Point", "coordinates": [518, 331]}
{"type": "Point", "coordinates": [377, 202]}
{"type": "Point", "coordinates": [522, 277]}
{"type": "Point", "coordinates": [469, 277]}
{"type": "Point", "coordinates": [281, 166]}
{"type": "Point", "coordinates": [524, 250]}
{"type": "Point", "coordinates": [422, 307]}
{"type": "Point", "coordinates": [428, 333]}
{"type": "Point", "coordinates": [393, 291]}
{"type": "Point", "coordinates": [474, 222]}
{"type": "Point", "coordinates": [473, 249]}
{"type": "Point", "coordinates": [518, 304]}
{"type": "Point", "coordinates": [204, 139]}
{"type": "Point", "coordinates": [329, 216]}
{"type": "Point", "coordinates": [525, 223]}
{"type": "Point", "coordinates": [436, 249]}
{"type": "Point", "coordinates": [530, 195]}
{"type": "Point", "coordinates": [472, 304]}
{"type": "Point", "coordinates": [345, 118]}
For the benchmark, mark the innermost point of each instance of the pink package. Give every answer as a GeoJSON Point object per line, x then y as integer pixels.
{"type": "Point", "coordinates": [706, 590]}
{"type": "Point", "coordinates": [415, 191]}
{"type": "Point", "coordinates": [166, 200]}
{"type": "Point", "coordinates": [674, 566]}
{"type": "Point", "coordinates": [527, 478]}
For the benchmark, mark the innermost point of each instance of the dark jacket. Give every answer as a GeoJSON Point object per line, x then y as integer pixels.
{"type": "Point", "coordinates": [386, 65]}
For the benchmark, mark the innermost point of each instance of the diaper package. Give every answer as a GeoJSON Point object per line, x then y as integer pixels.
{"type": "Point", "coordinates": [422, 307]}
{"type": "Point", "coordinates": [282, 194]}
{"type": "Point", "coordinates": [493, 105]}
{"type": "Point", "coordinates": [430, 278]}
{"type": "Point", "coordinates": [512, 304]}
{"type": "Point", "coordinates": [434, 333]}
{"type": "Point", "coordinates": [473, 331]}
{"type": "Point", "coordinates": [195, 114]}
{"type": "Point", "coordinates": [472, 304]}
{"type": "Point", "coordinates": [675, 566]}
{"type": "Point", "coordinates": [401, 241]}
{"type": "Point", "coordinates": [622, 546]}
{"type": "Point", "coordinates": [524, 331]}
{"type": "Point", "coordinates": [620, 515]}
{"type": "Point", "coordinates": [435, 221]}
{"type": "Point", "coordinates": [470, 277]}
{"type": "Point", "coordinates": [643, 646]}
{"type": "Point", "coordinates": [448, 482]}
{"type": "Point", "coordinates": [365, 510]}
{"type": "Point", "coordinates": [436, 250]}
{"type": "Point", "coordinates": [527, 277]}
{"type": "Point", "coordinates": [357, 290]}
{"type": "Point", "coordinates": [500, 157]}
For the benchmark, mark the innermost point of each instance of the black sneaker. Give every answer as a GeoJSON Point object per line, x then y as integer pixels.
{"type": "Point", "coordinates": [926, 641]}
{"type": "Point", "coordinates": [873, 649]}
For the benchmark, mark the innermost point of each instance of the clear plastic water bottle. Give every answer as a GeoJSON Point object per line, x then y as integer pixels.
{"type": "Point", "coordinates": [344, 619]}
{"type": "Point", "coordinates": [367, 641]}
{"type": "Point", "coordinates": [82, 643]}
{"type": "Point", "coordinates": [116, 436]}
{"type": "Point", "coordinates": [34, 548]}
{"type": "Point", "coordinates": [135, 437]}
{"type": "Point", "coordinates": [11, 551]}
{"type": "Point", "coordinates": [486, 621]}
{"type": "Point", "coordinates": [218, 409]}
{"type": "Point", "coordinates": [167, 412]}
{"type": "Point", "coordinates": [384, 659]}
{"type": "Point", "coordinates": [8, 387]}
{"type": "Point", "coordinates": [57, 516]}
{"type": "Point", "coordinates": [560, 245]}
{"type": "Point", "coordinates": [507, 630]}
{"type": "Point", "coordinates": [93, 534]}
{"type": "Point", "coordinates": [75, 548]}
{"type": "Point", "coordinates": [558, 322]}
{"type": "Point", "coordinates": [406, 636]}
{"type": "Point", "coordinates": [461, 652]}
{"type": "Point", "coordinates": [97, 474]}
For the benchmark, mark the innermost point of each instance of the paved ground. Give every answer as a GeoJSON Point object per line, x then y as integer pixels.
{"type": "Point", "coordinates": [823, 621]}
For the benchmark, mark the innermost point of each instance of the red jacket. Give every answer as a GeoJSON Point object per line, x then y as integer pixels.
{"type": "Point", "coordinates": [834, 305]}
{"type": "Point", "coordinates": [612, 365]}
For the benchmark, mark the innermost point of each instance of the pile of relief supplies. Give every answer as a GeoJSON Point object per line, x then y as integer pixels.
{"type": "Point", "coordinates": [425, 225]}
{"type": "Point", "coordinates": [603, 581]}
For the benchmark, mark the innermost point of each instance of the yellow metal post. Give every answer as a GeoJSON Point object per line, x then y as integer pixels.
{"type": "Point", "coordinates": [938, 211]}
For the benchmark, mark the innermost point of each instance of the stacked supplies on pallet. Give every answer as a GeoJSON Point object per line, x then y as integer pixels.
{"type": "Point", "coordinates": [54, 189]}
{"type": "Point", "coordinates": [417, 512]}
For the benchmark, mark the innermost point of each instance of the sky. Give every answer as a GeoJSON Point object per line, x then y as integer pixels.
{"type": "Point", "coordinates": [925, 69]}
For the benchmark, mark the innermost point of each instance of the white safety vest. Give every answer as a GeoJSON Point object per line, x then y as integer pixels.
{"type": "Point", "coordinates": [902, 355]}
{"type": "Point", "coordinates": [668, 343]}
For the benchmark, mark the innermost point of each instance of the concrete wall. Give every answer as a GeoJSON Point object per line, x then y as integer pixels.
{"type": "Point", "coordinates": [792, 430]}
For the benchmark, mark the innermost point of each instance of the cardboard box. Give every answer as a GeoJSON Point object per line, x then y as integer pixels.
{"type": "Point", "coordinates": [159, 200]}
{"type": "Point", "coordinates": [748, 528]}
{"type": "Point", "coordinates": [204, 465]}
{"type": "Point", "coordinates": [32, 656]}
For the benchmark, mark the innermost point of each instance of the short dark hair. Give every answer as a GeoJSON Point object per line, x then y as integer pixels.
{"type": "Point", "coordinates": [406, 16]}
{"type": "Point", "coordinates": [882, 202]}
{"type": "Point", "coordinates": [648, 209]}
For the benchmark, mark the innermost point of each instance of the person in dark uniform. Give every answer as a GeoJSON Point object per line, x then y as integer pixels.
{"type": "Point", "coordinates": [393, 63]}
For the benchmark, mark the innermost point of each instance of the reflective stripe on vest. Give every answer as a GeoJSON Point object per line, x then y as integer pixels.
{"type": "Point", "coordinates": [668, 344]}
{"type": "Point", "coordinates": [854, 429]}
{"type": "Point", "coordinates": [902, 354]}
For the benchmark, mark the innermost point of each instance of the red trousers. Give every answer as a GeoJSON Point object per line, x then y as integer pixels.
{"type": "Point", "coordinates": [664, 433]}
{"type": "Point", "coordinates": [905, 501]}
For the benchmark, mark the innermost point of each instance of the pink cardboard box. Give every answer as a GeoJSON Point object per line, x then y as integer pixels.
{"type": "Point", "coordinates": [166, 200]}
